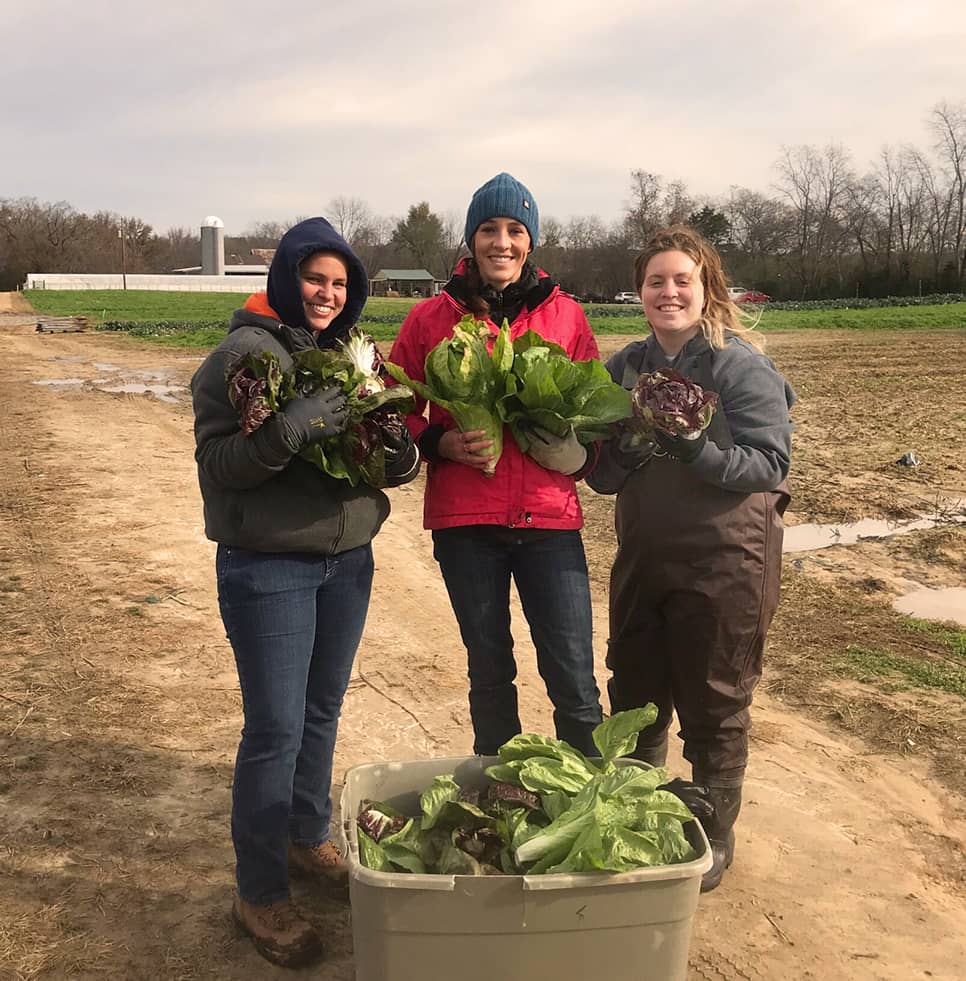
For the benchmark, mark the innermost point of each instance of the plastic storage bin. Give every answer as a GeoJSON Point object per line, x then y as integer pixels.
{"type": "Point", "coordinates": [627, 926]}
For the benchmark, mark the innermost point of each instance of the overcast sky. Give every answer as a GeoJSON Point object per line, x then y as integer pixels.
{"type": "Point", "coordinates": [257, 111]}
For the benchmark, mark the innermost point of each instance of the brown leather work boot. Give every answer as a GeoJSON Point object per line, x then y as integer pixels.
{"type": "Point", "coordinates": [322, 863]}
{"type": "Point", "coordinates": [279, 932]}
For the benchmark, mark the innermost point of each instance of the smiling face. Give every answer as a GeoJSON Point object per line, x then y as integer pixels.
{"type": "Point", "coordinates": [501, 247]}
{"type": "Point", "coordinates": [673, 297]}
{"type": "Point", "coordinates": [323, 280]}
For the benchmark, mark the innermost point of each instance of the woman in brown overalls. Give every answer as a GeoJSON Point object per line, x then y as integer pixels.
{"type": "Point", "coordinates": [699, 528]}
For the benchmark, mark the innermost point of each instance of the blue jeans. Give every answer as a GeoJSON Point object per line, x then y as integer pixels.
{"type": "Point", "coordinates": [294, 621]}
{"type": "Point", "coordinates": [550, 572]}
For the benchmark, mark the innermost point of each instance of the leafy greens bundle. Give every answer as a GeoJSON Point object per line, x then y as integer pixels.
{"type": "Point", "coordinates": [545, 388]}
{"type": "Point", "coordinates": [547, 809]}
{"type": "Point", "coordinates": [467, 381]}
{"type": "Point", "coordinates": [523, 383]}
{"type": "Point", "coordinates": [258, 388]}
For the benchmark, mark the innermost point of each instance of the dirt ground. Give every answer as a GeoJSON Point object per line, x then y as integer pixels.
{"type": "Point", "coordinates": [120, 712]}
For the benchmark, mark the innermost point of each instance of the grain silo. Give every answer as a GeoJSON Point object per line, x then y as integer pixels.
{"type": "Point", "coordinates": [212, 247]}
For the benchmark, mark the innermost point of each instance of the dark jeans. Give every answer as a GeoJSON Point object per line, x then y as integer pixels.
{"type": "Point", "coordinates": [550, 572]}
{"type": "Point", "coordinates": [294, 621]}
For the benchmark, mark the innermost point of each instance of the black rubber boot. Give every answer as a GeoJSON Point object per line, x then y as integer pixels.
{"type": "Point", "coordinates": [720, 830]}
{"type": "Point", "coordinates": [655, 755]}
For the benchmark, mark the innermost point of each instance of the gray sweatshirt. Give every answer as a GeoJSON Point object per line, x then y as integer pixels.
{"type": "Point", "coordinates": [754, 397]}
{"type": "Point", "coordinates": [257, 493]}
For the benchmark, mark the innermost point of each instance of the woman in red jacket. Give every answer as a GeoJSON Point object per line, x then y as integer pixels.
{"type": "Point", "coordinates": [524, 521]}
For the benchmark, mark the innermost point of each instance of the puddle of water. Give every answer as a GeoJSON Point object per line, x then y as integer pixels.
{"type": "Point", "coordinates": [166, 393]}
{"type": "Point", "coordinates": [147, 375]}
{"type": "Point", "coordinates": [935, 604]}
{"type": "Point", "coordinates": [116, 379]}
{"type": "Point", "coordinates": [807, 537]}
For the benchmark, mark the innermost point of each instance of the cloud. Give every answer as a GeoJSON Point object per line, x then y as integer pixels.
{"type": "Point", "coordinates": [254, 112]}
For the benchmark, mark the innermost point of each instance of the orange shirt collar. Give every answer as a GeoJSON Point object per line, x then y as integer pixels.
{"type": "Point", "coordinates": [258, 303]}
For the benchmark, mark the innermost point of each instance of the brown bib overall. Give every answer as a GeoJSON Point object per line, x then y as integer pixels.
{"type": "Point", "coordinates": [693, 590]}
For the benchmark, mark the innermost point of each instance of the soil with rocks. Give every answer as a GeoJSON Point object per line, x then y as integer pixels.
{"type": "Point", "coordinates": [120, 711]}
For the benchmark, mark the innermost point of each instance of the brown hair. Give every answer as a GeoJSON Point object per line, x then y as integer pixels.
{"type": "Point", "coordinates": [720, 315]}
{"type": "Point", "coordinates": [473, 282]}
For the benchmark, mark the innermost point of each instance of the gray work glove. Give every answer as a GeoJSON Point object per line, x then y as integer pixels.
{"type": "Point", "coordinates": [314, 418]}
{"type": "Point", "coordinates": [561, 453]}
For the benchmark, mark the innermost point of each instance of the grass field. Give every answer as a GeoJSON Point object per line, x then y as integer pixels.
{"type": "Point", "coordinates": [154, 305]}
{"type": "Point", "coordinates": [383, 316]}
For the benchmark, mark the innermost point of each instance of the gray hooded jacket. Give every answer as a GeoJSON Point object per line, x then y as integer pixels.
{"type": "Point", "coordinates": [258, 494]}
{"type": "Point", "coordinates": [754, 398]}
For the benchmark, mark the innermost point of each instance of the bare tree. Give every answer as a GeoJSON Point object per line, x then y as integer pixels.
{"type": "Point", "coordinates": [643, 213]}
{"type": "Point", "coordinates": [584, 232]}
{"type": "Point", "coordinates": [451, 241]}
{"type": "Point", "coordinates": [349, 217]}
{"type": "Point", "coordinates": [269, 231]}
{"type": "Point", "coordinates": [371, 243]}
{"type": "Point", "coordinates": [815, 183]}
{"type": "Point", "coordinates": [761, 230]}
{"type": "Point", "coordinates": [24, 245]}
{"type": "Point", "coordinates": [862, 221]}
{"type": "Point", "coordinates": [911, 227]}
{"type": "Point", "coordinates": [179, 248]}
{"type": "Point", "coordinates": [551, 233]}
{"type": "Point", "coordinates": [139, 241]}
{"type": "Point", "coordinates": [54, 237]}
{"type": "Point", "coordinates": [938, 207]}
{"type": "Point", "coordinates": [677, 204]}
{"type": "Point", "coordinates": [888, 183]}
{"type": "Point", "coordinates": [901, 196]}
{"type": "Point", "coordinates": [948, 125]}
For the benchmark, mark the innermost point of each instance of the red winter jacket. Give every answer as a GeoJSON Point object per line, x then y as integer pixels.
{"type": "Point", "coordinates": [521, 494]}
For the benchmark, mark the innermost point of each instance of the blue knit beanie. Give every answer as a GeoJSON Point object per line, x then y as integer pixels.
{"type": "Point", "coordinates": [503, 196]}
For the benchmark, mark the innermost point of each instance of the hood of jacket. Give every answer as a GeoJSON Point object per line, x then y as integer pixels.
{"type": "Point", "coordinates": [284, 290]}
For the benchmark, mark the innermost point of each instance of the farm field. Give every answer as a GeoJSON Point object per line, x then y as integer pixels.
{"type": "Point", "coordinates": [382, 316]}
{"type": "Point", "coordinates": [120, 712]}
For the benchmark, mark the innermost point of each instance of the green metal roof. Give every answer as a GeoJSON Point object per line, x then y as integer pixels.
{"type": "Point", "coordinates": [404, 274]}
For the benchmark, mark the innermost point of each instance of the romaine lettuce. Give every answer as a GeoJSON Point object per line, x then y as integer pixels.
{"type": "Point", "coordinates": [545, 388]}
{"type": "Point", "coordinates": [466, 380]}
{"type": "Point", "coordinates": [572, 814]}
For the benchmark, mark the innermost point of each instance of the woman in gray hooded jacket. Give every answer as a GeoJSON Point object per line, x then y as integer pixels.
{"type": "Point", "coordinates": [294, 566]}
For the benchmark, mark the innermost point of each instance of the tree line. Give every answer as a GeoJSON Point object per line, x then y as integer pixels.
{"type": "Point", "coordinates": [825, 229]}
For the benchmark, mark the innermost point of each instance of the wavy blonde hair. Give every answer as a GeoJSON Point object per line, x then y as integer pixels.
{"type": "Point", "coordinates": [720, 315]}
